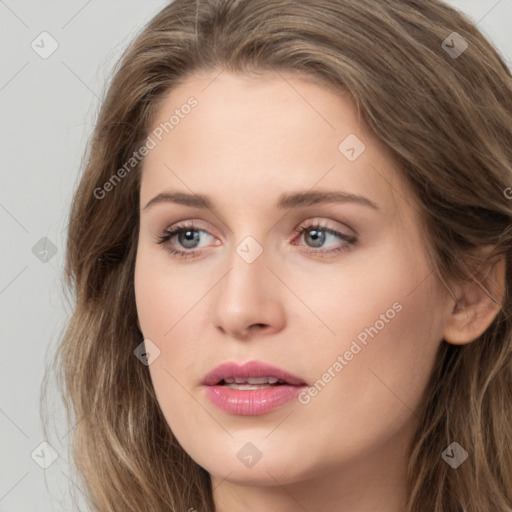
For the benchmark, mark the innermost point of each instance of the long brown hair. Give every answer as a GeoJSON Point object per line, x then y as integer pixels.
{"type": "Point", "coordinates": [447, 121]}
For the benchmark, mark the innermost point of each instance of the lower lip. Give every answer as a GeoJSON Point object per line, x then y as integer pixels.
{"type": "Point", "coordinates": [252, 402]}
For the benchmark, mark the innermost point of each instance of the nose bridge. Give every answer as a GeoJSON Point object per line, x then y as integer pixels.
{"type": "Point", "coordinates": [247, 296]}
{"type": "Point", "coordinates": [244, 283]}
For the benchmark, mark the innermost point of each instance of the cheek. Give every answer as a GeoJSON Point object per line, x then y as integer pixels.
{"type": "Point", "coordinates": [162, 295]}
{"type": "Point", "coordinates": [387, 340]}
{"type": "Point", "coordinates": [168, 304]}
{"type": "Point", "coordinates": [388, 332]}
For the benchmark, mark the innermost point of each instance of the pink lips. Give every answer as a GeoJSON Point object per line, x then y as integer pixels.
{"type": "Point", "coordinates": [255, 401]}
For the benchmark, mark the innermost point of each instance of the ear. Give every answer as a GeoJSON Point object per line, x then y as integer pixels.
{"type": "Point", "coordinates": [478, 302]}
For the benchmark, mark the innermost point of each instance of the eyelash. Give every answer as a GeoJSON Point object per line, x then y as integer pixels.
{"type": "Point", "coordinates": [191, 253]}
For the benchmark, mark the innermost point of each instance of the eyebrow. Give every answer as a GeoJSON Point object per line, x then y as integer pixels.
{"type": "Point", "coordinates": [293, 200]}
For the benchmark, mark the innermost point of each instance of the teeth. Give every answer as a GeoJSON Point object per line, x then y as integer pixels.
{"type": "Point", "coordinates": [247, 387]}
{"type": "Point", "coordinates": [252, 380]}
{"type": "Point", "coordinates": [260, 380]}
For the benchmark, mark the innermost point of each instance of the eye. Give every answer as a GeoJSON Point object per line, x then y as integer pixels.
{"type": "Point", "coordinates": [188, 237]}
{"type": "Point", "coordinates": [317, 234]}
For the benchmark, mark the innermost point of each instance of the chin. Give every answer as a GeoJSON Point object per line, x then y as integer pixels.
{"type": "Point", "coordinates": [271, 469]}
{"type": "Point", "coordinates": [268, 475]}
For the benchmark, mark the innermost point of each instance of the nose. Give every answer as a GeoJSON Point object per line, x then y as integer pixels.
{"type": "Point", "coordinates": [248, 299]}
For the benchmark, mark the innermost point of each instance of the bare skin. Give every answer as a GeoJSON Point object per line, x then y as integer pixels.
{"type": "Point", "coordinates": [299, 305]}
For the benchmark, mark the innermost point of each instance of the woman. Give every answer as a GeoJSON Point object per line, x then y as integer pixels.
{"type": "Point", "coordinates": [290, 248]}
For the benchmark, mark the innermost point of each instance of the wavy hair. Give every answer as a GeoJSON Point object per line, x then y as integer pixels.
{"type": "Point", "coordinates": [447, 122]}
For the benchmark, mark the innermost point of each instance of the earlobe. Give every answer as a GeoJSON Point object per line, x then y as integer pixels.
{"type": "Point", "coordinates": [478, 303]}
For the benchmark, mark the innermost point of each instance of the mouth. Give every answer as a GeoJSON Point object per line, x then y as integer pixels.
{"type": "Point", "coordinates": [251, 389]}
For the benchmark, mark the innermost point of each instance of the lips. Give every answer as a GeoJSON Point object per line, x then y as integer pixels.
{"type": "Point", "coordinates": [251, 389]}
{"type": "Point", "coordinates": [251, 370]}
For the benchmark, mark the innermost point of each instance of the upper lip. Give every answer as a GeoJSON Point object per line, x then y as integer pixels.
{"type": "Point", "coordinates": [247, 370]}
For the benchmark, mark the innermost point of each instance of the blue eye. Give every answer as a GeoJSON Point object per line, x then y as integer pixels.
{"type": "Point", "coordinates": [318, 234]}
{"type": "Point", "coordinates": [188, 237]}
{"type": "Point", "coordinates": [189, 240]}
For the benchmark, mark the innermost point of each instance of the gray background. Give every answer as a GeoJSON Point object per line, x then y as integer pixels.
{"type": "Point", "coordinates": [47, 110]}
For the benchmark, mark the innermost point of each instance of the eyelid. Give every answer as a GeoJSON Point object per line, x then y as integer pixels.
{"type": "Point", "coordinates": [327, 224]}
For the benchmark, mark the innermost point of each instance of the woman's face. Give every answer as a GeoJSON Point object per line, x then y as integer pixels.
{"type": "Point", "coordinates": [350, 306]}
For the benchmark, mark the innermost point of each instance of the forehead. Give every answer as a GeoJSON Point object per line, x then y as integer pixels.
{"type": "Point", "coordinates": [280, 131]}
{"type": "Point", "coordinates": [260, 102]}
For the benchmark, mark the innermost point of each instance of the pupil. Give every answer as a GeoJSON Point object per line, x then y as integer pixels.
{"type": "Point", "coordinates": [318, 240]}
{"type": "Point", "coordinates": [190, 236]}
